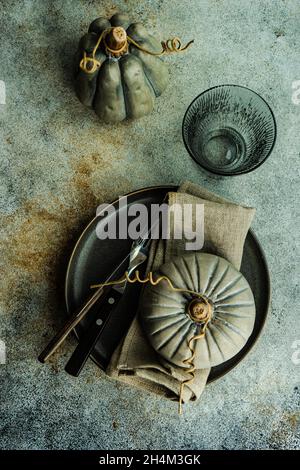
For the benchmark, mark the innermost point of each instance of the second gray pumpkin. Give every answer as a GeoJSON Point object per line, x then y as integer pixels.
{"type": "Point", "coordinates": [168, 326]}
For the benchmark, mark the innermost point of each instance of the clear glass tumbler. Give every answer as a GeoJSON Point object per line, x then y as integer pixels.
{"type": "Point", "coordinates": [229, 130]}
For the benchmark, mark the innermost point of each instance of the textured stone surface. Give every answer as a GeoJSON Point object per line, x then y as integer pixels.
{"type": "Point", "coordinates": [58, 162]}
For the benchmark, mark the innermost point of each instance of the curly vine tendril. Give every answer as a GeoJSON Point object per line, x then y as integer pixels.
{"type": "Point", "coordinates": [89, 64]}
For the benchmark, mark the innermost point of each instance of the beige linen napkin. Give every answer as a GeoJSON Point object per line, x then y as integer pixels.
{"type": "Point", "coordinates": [225, 228]}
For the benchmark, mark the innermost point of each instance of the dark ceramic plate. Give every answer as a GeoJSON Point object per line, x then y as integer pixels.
{"type": "Point", "coordinates": [93, 259]}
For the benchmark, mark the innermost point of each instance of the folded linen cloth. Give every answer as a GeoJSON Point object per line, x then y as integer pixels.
{"type": "Point", "coordinates": [225, 228]}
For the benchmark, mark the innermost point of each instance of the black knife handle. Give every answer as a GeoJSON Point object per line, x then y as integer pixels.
{"type": "Point", "coordinates": [92, 334]}
{"type": "Point", "coordinates": [96, 298]}
{"type": "Point", "coordinates": [117, 325]}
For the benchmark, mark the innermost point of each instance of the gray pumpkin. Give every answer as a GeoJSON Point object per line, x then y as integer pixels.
{"type": "Point", "coordinates": [169, 321]}
{"type": "Point", "coordinates": [123, 85]}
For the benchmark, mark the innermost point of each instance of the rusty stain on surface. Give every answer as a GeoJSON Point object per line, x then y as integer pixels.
{"type": "Point", "coordinates": [285, 430]}
{"type": "Point", "coordinates": [41, 228]}
{"type": "Point", "coordinates": [115, 424]}
{"type": "Point", "coordinates": [293, 419]}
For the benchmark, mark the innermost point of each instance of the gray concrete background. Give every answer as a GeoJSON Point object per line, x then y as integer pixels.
{"type": "Point", "coordinates": [58, 162]}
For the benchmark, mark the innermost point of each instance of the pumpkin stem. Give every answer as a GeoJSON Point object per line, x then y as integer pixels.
{"type": "Point", "coordinates": [199, 310]}
{"type": "Point", "coordinates": [116, 41]}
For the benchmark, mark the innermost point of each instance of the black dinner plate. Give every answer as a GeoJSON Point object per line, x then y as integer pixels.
{"type": "Point", "coordinates": [92, 260]}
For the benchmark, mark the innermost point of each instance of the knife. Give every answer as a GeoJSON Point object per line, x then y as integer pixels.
{"type": "Point", "coordinates": [73, 321]}
{"type": "Point", "coordinates": [109, 320]}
